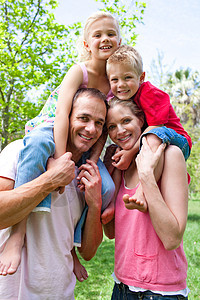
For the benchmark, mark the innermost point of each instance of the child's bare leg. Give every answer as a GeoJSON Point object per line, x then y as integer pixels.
{"type": "Point", "coordinates": [10, 257]}
{"type": "Point", "coordinates": [79, 270]}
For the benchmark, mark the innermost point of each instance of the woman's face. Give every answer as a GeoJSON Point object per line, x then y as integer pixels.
{"type": "Point", "coordinates": [124, 127]}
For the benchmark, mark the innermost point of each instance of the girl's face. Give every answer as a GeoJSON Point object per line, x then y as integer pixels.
{"type": "Point", "coordinates": [103, 38]}
{"type": "Point", "coordinates": [124, 127]}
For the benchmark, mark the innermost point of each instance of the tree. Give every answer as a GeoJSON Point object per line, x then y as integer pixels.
{"type": "Point", "coordinates": [32, 52]}
{"type": "Point", "coordinates": [129, 13]}
{"type": "Point", "coordinates": [36, 52]}
{"type": "Point", "coordinates": [184, 88]}
{"type": "Point", "coordinates": [159, 71]}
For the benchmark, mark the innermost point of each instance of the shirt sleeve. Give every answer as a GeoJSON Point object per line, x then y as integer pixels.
{"type": "Point", "coordinates": [155, 104]}
{"type": "Point", "coordinates": [9, 159]}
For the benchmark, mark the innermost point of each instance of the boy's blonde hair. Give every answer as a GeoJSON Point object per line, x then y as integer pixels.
{"type": "Point", "coordinates": [83, 54]}
{"type": "Point", "coordinates": [126, 55]}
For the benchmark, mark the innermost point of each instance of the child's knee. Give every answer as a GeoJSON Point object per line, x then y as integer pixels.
{"type": "Point", "coordinates": [154, 141]}
{"type": "Point", "coordinates": [39, 142]}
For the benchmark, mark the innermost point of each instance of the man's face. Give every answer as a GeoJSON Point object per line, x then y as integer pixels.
{"type": "Point", "coordinates": [85, 124]}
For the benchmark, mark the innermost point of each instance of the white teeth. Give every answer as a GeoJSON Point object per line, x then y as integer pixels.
{"type": "Point", "coordinates": [125, 138]}
{"type": "Point", "coordinates": [84, 137]}
{"type": "Point", "coordinates": [105, 47]}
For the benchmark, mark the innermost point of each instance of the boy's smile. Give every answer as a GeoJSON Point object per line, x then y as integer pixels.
{"type": "Point", "coordinates": [124, 81]}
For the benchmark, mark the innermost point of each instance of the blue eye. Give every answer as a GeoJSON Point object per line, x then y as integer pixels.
{"type": "Point", "coordinates": [127, 121]}
{"type": "Point", "coordinates": [111, 127]}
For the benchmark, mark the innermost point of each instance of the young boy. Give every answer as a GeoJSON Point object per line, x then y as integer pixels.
{"type": "Point", "coordinates": [126, 76]}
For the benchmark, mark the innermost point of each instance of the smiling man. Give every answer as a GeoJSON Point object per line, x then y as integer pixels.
{"type": "Point", "coordinates": [46, 270]}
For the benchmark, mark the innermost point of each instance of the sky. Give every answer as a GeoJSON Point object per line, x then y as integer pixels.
{"type": "Point", "coordinates": [171, 27]}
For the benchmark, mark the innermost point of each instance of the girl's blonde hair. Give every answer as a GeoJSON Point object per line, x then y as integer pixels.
{"type": "Point", "coordinates": [126, 55]}
{"type": "Point", "coordinates": [83, 54]}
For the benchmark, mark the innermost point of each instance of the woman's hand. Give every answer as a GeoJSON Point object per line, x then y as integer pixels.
{"type": "Point", "coordinates": [147, 160]}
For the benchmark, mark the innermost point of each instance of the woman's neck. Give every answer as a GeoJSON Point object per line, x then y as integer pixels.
{"type": "Point", "coordinates": [131, 175]}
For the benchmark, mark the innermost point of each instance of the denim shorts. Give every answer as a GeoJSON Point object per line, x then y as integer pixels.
{"type": "Point", "coordinates": [122, 292]}
{"type": "Point", "coordinates": [170, 137]}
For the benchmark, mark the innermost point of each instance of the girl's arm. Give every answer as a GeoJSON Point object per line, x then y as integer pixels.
{"type": "Point", "coordinates": [70, 84]}
{"type": "Point", "coordinates": [168, 206]}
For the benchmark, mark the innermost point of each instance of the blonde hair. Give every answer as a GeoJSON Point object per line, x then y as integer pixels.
{"type": "Point", "coordinates": [126, 55]}
{"type": "Point", "coordinates": [83, 54]}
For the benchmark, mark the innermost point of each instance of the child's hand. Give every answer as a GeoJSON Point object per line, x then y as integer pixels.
{"type": "Point", "coordinates": [108, 213]}
{"type": "Point", "coordinates": [122, 159]}
{"type": "Point", "coordinates": [110, 151]}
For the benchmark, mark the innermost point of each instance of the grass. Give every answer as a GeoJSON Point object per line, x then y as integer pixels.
{"type": "Point", "coordinates": [99, 284]}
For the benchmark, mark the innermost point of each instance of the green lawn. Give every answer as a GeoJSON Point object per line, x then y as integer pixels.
{"type": "Point", "coordinates": [100, 283]}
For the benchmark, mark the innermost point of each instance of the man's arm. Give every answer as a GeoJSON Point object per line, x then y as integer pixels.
{"type": "Point", "coordinates": [18, 203]}
{"type": "Point", "coordinates": [93, 232]}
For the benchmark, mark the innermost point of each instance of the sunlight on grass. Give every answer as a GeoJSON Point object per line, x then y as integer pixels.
{"type": "Point", "coordinates": [99, 284]}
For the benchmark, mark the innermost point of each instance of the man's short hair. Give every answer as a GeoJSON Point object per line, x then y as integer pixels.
{"type": "Point", "coordinates": [89, 92]}
{"type": "Point", "coordinates": [92, 92]}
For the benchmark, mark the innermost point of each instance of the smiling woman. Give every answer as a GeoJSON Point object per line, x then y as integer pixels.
{"type": "Point", "coordinates": [146, 240]}
{"type": "Point", "coordinates": [124, 125]}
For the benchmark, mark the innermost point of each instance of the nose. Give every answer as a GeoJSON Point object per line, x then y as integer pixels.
{"type": "Point", "coordinates": [121, 83]}
{"type": "Point", "coordinates": [105, 38]}
{"type": "Point", "coordinates": [120, 129]}
{"type": "Point", "coordinates": [90, 127]}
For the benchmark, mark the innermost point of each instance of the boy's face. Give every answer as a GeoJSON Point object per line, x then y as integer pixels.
{"type": "Point", "coordinates": [124, 81]}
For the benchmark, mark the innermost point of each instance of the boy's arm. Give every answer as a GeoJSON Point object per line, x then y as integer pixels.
{"type": "Point", "coordinates": [70, 84]}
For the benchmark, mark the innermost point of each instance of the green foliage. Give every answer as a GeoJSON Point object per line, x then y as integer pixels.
{"type": "Point", "coordinates": [33, 51]}
{"type": "Point", "coordinates": [184, 88]}
{"type": "Point", "coordinates": [129, 13]}
{"type": "Point", "coordinates": [36, 52]}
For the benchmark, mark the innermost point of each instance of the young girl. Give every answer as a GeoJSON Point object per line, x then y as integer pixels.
{"type": "Point", "coordinates": [101, 38]}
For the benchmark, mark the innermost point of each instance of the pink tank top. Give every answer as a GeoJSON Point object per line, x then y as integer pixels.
{"type": "Point", "coordinates": [140, 257]}
{"type": "Point", "coordinates": [85, 80]}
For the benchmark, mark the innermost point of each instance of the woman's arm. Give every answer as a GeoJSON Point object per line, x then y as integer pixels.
{"type": "Point", "coordinates": [70, 84]}
{"type": "Point", "coordinates": [168, 206]}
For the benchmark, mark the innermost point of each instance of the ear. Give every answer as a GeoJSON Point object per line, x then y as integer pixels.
{"type": "Point", "coordinates": [141, 122]}
{"type": "Point", "coordinates": [142, 77]}
{"type": "Point", "coordinates": [120, 41]}
{"type": "Point", "coordinates": [87, 47]}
